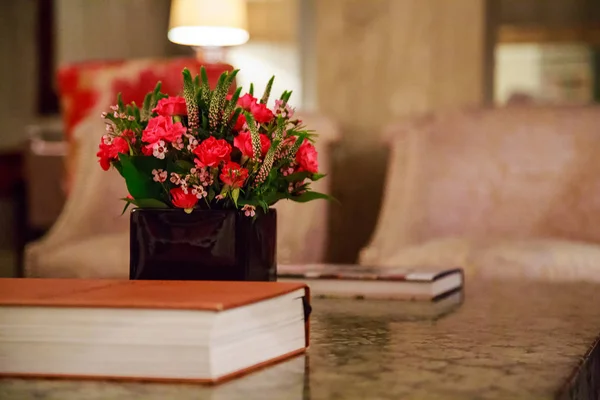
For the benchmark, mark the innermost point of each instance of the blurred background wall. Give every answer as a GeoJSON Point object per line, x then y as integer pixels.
{"type": "Point", "coordinates": [364, 63]}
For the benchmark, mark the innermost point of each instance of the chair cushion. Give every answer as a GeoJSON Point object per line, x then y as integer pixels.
{"type": "Point", "coordinates": [540, 259]}
{"type": "Point", "coordinates": [103, 256]}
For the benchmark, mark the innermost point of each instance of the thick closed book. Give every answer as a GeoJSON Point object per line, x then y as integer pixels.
{"type": "Point", "coordinates": [199, 331]}
{"type": "Point", "coordinates": [336, 280]}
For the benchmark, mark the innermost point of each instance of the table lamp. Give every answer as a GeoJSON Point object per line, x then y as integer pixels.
{"type": "Point", "coordinates": [208, 26]}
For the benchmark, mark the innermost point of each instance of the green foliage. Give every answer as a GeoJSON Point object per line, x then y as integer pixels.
{"type": "Point", "coordinates": [254, 134]}
{"type": "Point", "coordinates": [210, 113]}
{"type": "Point", "coordinates": [143, 203]}
{"type": "Point", "coordinates": [137, 171]}
{"type": "Point", "coordinates": [267, 93]}
{"type": "Point", "coordinates": [309, 196]}
{"type": "Point", "coordinates": [285, 97]}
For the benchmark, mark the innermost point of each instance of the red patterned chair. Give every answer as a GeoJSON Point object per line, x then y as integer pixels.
{"type": "Point", "coordinates": [80, 94]}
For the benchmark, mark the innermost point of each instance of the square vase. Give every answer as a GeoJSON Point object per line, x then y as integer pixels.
{"type": "Point", "coordinates": [169, 244]}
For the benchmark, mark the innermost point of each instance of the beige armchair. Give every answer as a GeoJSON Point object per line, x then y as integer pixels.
{"type": "Point", "coordinates": [91, 239]}
{"type": "Point", "coordinates": [511, 192]}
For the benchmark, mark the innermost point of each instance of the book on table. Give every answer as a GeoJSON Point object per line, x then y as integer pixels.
{"type": "Point", "coordinates": [356, 281]}
{"type": "Point", "coordinates": [149, 330]}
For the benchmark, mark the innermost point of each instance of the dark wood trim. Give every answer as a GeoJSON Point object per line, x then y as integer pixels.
{"type": "Point", "coordinates": [540, 34]}
{"type": "Point", "coordinates": [47, 101]}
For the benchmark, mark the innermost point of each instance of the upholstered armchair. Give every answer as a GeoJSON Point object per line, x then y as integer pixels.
{"type": "Point", "coordinates": [511, 192]}
{"type": "Point", "coordinates": [91, 238]}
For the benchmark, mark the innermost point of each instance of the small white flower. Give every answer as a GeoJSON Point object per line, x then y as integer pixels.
{"type": "Point", "coordinates": [249, 211]}
{"type": "Point", "coordinates": [178, 145]}
{"type": "Point", "coordinates": [199, 191]}
{"type": "Point", "coordinates": [159, 175]}
{"type": "Point", "coordinates": [159, 150]}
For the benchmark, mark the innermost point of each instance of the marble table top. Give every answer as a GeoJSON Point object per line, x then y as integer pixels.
{"type": "Point", "coordinates": [507, 340]}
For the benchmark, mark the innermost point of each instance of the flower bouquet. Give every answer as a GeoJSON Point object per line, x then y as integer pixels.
{"type": "Point", "coordinates": [221, 157]}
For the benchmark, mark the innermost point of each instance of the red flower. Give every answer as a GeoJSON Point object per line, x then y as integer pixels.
{"type": "Point", "coordinates": [307, 158]}
{"type": "Point", "coordinates": [171, 106]}
{"type": "Point", "coordinates": [243, 141]}
{"type": "Point", "coordinates": [128, 134]}
{"type": "Point", "coordinates": [233, 175]}
{"type": "Point", "coordinates": [181, 199]}
{"type": "Point", "coordinates": [162, 128]}
{"type": "Point", "coordinates": [110, 152]}
{"type": "Point", "coordinates": [212, 151]}
{"type": "Point", "coordinates": [261, 113]}
{"type": "Point", "coordinates": [239, 124]}
{"type": "Point", "coordinates": [246, 101]}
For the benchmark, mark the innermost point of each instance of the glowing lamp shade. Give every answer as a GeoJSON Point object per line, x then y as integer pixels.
{"type": "Point", "coordinates": [208, 23]}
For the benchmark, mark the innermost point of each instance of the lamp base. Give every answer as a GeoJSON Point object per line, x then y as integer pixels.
{"type": "Point", "coordinates": [212, 55]}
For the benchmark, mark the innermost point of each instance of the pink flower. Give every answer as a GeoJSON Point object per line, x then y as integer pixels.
{"type": "Point", "coordinates": [261, 113]}
{"type": "Point", "coordinates": [159, 175]}
{"type": "Point", "coordinates": [211, 152]}
{"type": "Point", "coordinates": [171, 106]}
{"type": "Point", "coordinates": [181, 199]}
{"type": "Point", "coordinates": [246, 101]}
{"type": "Point", "coordinates": [243, 142]}
{"type": "Point", "coordinates": [162, 128]}
{"type": "Point", "coordinates": [233, 175]}
{"type": "Point", "coordinates": [199, 191]}
{"type": "Point", "coordinates": [249, 211]}
{"type": "Point", "coordinates": [307, 158]}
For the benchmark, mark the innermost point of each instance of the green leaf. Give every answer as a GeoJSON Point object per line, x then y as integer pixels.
{"type": "Point", "coordinates": [146, 111]}
{"type": "Point", "coordinates": [297, 176]}
{"type": "Point", "coordinates": [235, 194]}
{"type": "Point", "coordinates": [316, 177]}
{"type": "Point", "coordinates": [251, 91]}
{"type": "Point", "coordinates": [184, 166]}
{"type": "Point", "coordinates": [150, 203]}
{"type": "Point", "coordinates": [211, 194]}
{"type": "Point", "coordinates": [204, 76]}
{"type": "Point", "coordinates": [127, 204]}
{"type": "Point", "coordinates": [286, 97]}
{"type": "Point", "coordinates": [264, 205]}
{"type": "Point", "coordinates": [267, 92]}
{"type": "Point", "coordinates": [120, 101]}
{"type": "Point", "coordinates": [274, 197]}
{"type": "Point", "coordinates": [157, 88]}
{"type": "Point", "coordinates": [230, 78]}
{"type": "Point", "coordinates": [136, 113]}
{"type": "Point", "coordinates": [137, 171]}
{"type": "Point", "coordinates": [309, 196]}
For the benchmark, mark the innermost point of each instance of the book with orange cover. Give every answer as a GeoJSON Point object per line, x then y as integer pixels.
{"type": "Point", "coordinates": [197, 331]}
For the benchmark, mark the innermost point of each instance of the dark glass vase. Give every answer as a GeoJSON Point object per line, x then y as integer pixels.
{"type": "Point", "coordinates": [169, 244]}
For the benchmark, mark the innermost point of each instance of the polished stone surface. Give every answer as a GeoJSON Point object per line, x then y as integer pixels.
{"type": "Point", "coordinates": [506, 341]}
